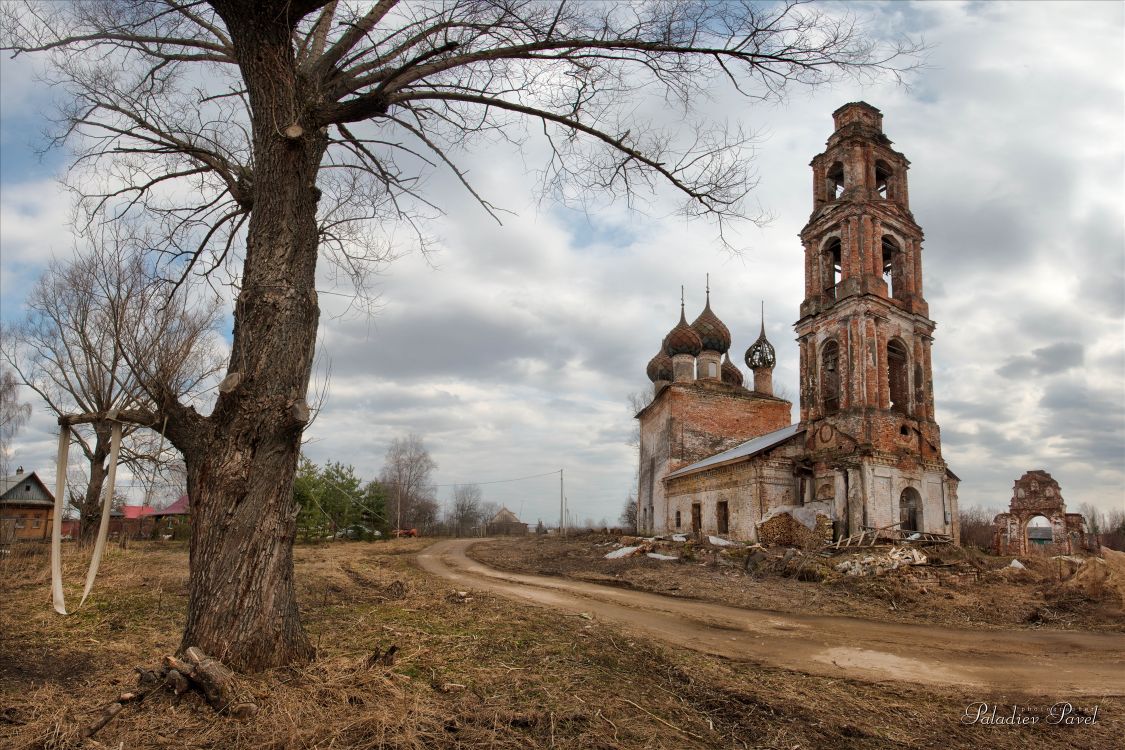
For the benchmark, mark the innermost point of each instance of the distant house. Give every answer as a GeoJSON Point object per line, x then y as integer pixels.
{"type": "Point", "coordinates": [26, 508]}
{"type": "Point", "coordinates": [175, 516]}
{"type": "Point", "coordinates": [506, 523]}
{"type": "Point", "coordinates": [179, 509]}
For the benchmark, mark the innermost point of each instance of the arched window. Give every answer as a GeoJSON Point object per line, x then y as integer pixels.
{"type": "Point", "coordinates": [677, 519]}
{"type": "Point", "coordinates": [893, 270]}
{"type": "Point", "coordinates": [910, 510]}
{"type": "Point", "coordinates": [835, 176]}
{"type": "Point", "coordinates": [896, 376]}
{"type": "Point", "coordinates": [831, 266]}
{"type": "Point", "coordinates": [830, 377]}
{"type": "Point", "coordinates": [883, 185]}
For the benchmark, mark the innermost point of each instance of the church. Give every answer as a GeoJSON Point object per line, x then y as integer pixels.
{"type": "Point", "coordinates": [718, 455]}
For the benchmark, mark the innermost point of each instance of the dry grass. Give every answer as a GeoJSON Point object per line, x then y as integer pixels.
{"type": "Point", "coordinates": [484, 673]}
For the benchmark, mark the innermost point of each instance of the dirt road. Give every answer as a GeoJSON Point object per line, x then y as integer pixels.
{"type": "Point", "coordinates": [1056, 664]}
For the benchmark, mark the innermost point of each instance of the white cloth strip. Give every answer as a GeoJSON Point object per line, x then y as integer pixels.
{"type": "Point", "coordinates": [56, 525]}
{"type": "Point", "coordinates": [107, 504]}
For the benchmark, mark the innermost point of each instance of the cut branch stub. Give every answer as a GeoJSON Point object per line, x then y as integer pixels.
{"type": "Point", "coordinates": [300, 412]}
{"type": "Point", "coordinates": [230, 382]}
{"type": "Point", "coordinates": [294, 131]}
{"type": "Point", "coordinates": [214, 680]}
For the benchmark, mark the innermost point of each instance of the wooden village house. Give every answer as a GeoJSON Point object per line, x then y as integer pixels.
{"type": "Point", "coordinates": [26, 508]}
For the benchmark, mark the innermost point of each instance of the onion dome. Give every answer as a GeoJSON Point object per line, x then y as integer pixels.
{"type": "Point", "coordinates": [660, 367]}
{"type": "Point", "coordinates": [682, 339]}
{"type": "Point", "coordinates": [761, 354]}
{"type": "Point", "coordinates": [730, 372]}
{"type": "Point", "coordinates": [712, 332]}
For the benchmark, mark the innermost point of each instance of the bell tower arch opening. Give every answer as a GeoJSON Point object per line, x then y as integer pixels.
{"type": "Point", "coordinates": [832, 266]}
{"type": "Point", "coordinates": [835, 181]}
{"type": "Point", "coordinates": [897, 369]}
{"type": "Point", "coordinates": [884, 186]}
{"type": "Point", "coordinates": [894, 272]}
{"type": "Point", "coordinates": [830, 377]}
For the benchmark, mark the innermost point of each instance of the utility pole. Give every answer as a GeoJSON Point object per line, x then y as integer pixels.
{"type": "Point", "coordinates": [562, 509]}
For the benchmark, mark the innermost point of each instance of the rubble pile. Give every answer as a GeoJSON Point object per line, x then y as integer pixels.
{"type": "Point", "coordinates": [873, 565]}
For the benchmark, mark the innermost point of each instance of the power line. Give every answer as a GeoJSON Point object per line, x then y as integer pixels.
{"type": "Point", "coordinates": [500, 481]}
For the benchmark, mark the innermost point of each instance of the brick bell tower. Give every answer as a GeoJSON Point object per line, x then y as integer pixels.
{"type": "Point", "coordinates": [866, 391]}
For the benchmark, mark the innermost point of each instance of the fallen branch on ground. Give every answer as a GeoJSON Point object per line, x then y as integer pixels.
{"type": "Point", "coordinates": [196, 670]}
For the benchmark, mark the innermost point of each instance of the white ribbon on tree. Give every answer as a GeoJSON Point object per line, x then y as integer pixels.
{"type": "Point", "coordinates": [57, 596]}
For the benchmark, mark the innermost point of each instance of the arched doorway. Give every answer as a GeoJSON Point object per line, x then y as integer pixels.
{"type": "Point", "coordinates": [1039, 534]}
{"type": "Point", "coordinates": [910, 510]}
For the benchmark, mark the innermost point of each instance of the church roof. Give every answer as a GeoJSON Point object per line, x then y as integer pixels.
{"type": "Point", "coordinates": [712, 332]}
{"type": "Point", "coordinates": [746, 450]}
{"type": "Point", "coordinates": [682, 339]}
{"type": "Point", "coordinates": [660, 366]}
{"type": "Point", "coordinates": [730, 372]}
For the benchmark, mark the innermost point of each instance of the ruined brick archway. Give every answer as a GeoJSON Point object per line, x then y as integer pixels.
{"type": "Point", "coordinates": [1037, 494]}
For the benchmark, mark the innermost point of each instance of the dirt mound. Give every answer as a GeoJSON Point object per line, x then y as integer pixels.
{"type": "Point", "coordinates": [1098, 579]}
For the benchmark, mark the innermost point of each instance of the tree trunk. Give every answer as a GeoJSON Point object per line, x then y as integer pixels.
{"type": "Point", "coordinates": [242, 605]}
{"type": "Point", "coordinates": [90, 512]}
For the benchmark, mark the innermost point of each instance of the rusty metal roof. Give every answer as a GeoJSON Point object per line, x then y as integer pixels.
{"type": "Point", "coordinates": [741, 452]}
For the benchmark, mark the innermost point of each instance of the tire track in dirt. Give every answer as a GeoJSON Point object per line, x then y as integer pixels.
{"type": "Point", "coordinates": [1051, 663]}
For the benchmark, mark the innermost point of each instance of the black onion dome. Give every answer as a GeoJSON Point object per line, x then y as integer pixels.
{"type": "Point", "coordinates": [730, 372]}
{"type": "Point", "coordinates": [712, 332]}
{"type": "Point", "coordinates": [761, 353]}
{"type": "Point", "coordinates": [682, 339]}
{"type": "Point", "coordinates": [660, 367]}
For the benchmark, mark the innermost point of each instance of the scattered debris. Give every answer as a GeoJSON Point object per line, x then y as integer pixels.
{"type": "Point", "coordinates": [679, 537]}
{"type": "Point", "coordinates": [870, 536]}
{"type": "Point", "coordinates": [893, 559]}
{"type": "Point", "coordinates": [718, 541]}
{"type": "Point", "coordinates": [458, 597]}
{"type": "Point", "coordinates": [195, 670]}
{"type": "Point", "coordinates": [658, 556]}
{"type": "Point", "coordinates": [1017, 565]}
{"type": "Point", "coordinates": [396, 590]}
{"type": "Point", "coordinates": [378, 658]}
{"type": "Point", "coordinates": [623, 552]}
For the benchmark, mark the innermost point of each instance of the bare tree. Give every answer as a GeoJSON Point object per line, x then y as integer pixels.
{"type": "Point", "coordinates": [1095, 520]}
{"type": "Point", "coordinates": [407, 475]}
{"type": "Point", "coordinates": [90, 324]}
{"type": "Point", "coordinates": [629, 514]}
{"type": "Point", "coordinates": [258, 133]}
{"type": "Point", "coordinates": [464, 516]}
{"type": "Point", "coordinates": [976, 527]}
{"type": "Point", "coordinates": [13, 413]}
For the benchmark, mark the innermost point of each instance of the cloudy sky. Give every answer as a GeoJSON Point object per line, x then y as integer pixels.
{"type": "Point", "coordinates": [511, 349]}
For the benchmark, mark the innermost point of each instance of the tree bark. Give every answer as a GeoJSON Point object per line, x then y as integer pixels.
{"type": "Point", "coordinates": [90, 513]}
{"type": "Point", "coordinates": [242, 605]}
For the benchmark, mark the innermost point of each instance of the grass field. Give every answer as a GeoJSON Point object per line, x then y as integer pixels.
{"type": "Point", "coordinates": [485, 672]}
